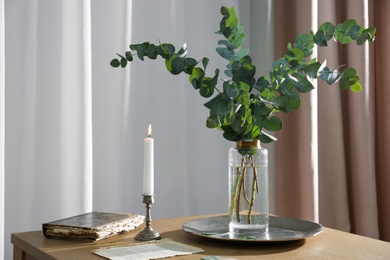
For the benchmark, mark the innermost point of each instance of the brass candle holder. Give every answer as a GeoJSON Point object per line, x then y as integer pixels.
{"type": "Point", "coordinates": [148, 233]}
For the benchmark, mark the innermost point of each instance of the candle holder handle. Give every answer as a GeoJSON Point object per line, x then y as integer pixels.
{"type": "Point", "coordinates": [148, 233]}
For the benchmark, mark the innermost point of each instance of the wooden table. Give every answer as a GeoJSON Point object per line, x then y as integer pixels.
{"type": "Point", "coordinates": [330, 244]}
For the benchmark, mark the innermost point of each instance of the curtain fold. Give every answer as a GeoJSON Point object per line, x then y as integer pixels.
{"type": "Point", "coordinates": [382, 112]}
{"type": "Point", "coordinates": [76, 107]}
{"type": "Point", "coordinates": [352, 143]}
{"type": "Point", "coordinates": [48, 113]}
{"type": "Point", "coordinates": [296, 173]}
{"type": "Point", "coordinates": [2, 126]}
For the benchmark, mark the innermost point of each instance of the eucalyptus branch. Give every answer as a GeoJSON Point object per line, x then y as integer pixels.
{"type": "Point", "coordinates": [289, 76]}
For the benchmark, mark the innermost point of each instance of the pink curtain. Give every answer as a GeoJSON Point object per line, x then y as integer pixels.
{"type": "Point", "coordinates": [331, 155]}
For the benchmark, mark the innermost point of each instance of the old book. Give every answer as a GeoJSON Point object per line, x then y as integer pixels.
{"type": "Point", "coordinates": [92, 226]}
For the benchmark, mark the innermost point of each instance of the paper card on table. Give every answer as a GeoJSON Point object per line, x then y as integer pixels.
{"type": "Point", "coordinates": [148, 250]}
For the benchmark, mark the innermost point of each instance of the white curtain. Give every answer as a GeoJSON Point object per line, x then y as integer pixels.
{"type": "Point", "coordinates": [2, 104]}
{"type": "Point", "coordinates": [74, 126]}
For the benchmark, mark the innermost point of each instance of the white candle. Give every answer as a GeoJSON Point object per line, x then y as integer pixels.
{"type": "Point", "coordinates": [148, 184]}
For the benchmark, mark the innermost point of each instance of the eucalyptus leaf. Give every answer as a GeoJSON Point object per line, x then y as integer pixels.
{"type": "Point", "coordinates": [239, 55]}
{"type": "Point", "coordinates": [273, 123]}
{"type": "Point", "coordinates": [183, 51]}
{"type": "Point", "coordinates": [115, 63]}
{"type": "Point", "coordinates": [261, 84]}
{"type": "Point", "coordinates": [312, 69]}
{"type": "Point", "coordinates": [356, 87]}
{"type": "Point", "coordinates": [129, 56]}
{"type": "Point", "coordinates": [320, 38]}
{"type": "Point", "coordinates": [238, 41]}
{"type": "Point", "coordinates": [225, 52]}
{"type": "Point", "coordinates": [228, 45]}
{"type": "Point", "coordinates": [196, 77]}
{"type": "Point", "coordinates": [189, 65]}
{"type": "Point", "coordinates": [123, 62]}
{"type": "Point", "coordinates": [266, 138]}
{"type": "Point", "coordinates": [328, 29]}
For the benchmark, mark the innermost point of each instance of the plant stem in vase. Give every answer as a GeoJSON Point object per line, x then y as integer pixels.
{"type": "Point", "coordinates": [248, 189]}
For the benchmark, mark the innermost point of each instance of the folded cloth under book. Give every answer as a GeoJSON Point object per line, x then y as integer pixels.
{"type": "Point", "coordinates": [92, 226]}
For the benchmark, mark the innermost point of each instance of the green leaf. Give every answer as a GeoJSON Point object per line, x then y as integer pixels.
{"type": "Point", "coordinates": [243, 121]}
{"type": "Point", "coordinates": [312, 69]}
{"type": "Point", "coordinates": [211, 123]}
{"type": "Point", "coordinates": [255, 132]}
{"type": "Point", "coordinates": [294, 55]}
{"type": "Point", "coordinates": [239, 55]}
{"type": "Point", "coordinates": [356, 87]}
{"type": "Point", "coordinates": [175, 64]}
{"type": "Point", "coordinates": [370, 33]}
{"type": "Point", "coordinates": [328, 29]}
{"type": "Point", "coordinates": [232, 19]}
{"type": "Point", "coordinates": [346, 25]}
{"type": "Point", "coordinates": [344, 83]}
{"type": "Point", "coordinates": [260, 110]}
{"type": "Point", "coordinates": [189, 65]}
{"type": "Point", "coordinates": [168, 50]}
{"type": "Point", "coordinates": [231, 89]}
{"type": "Point", "coordinates": [286, 86]}
{"type": "Point", "coordinates": [305, 86]}
{"type": "Point", "coordinates": [273, 123]}
{"type": "Point", "coordinates": [238, 32]}
{"type": "Point", "coordinates": [208, 86]}
{"type": "Point", "coordinates": [238, 41]}
{"type": "Point", "coordinates": [151, 51]}
{"type": "Point", "coordinates": [129, 56]}
{"type": "Point", "coordinates": [183, 51]}
{"type": "Point", "coordinates": [230, 135]}
{"type": "Point", "coordinates": [243, 70]}
{"type": "Point", "coordinates": [349, 72]}
{"type": "Point", "coordinates": [140, 49]}
{"type": "Point", "coordinates": [228, 73]}
{"type": "Point", "coordinates": [267, 94]}
{"type": "Point", "coordinates": [366, 35]}
{"type": "Point", "coordinates": [223, 113]}
{"type": "Point", "coordinates": [288, 102]}
{"type": "Point", "coordinates": [320, 38]}
{"type": "Point", "coordinates": [225, 53]}
{"type": "Point", "coordinates": [305, 43]}
{"type": "Point", "coordinates": [115, 63]}
{"type": "Point", "coordinates": [196, 77]}
{"type": "Point", "coordinates": [353, 32]}
{"type": "Point", "coordinates": [343, 31]}
{"type": "Point", "coordinates": [343, 38]}
{"type": "Point", "coordinates": [220, 98]}
{"type": "Point", "coordinates": [123, 62]}
{"type": "Point", "coordinates": [261, 84]}
{"type": "Point", "coordinates": [226, 43]}
{"type": "Point", "coordinates": [205, 62]}
{"type": "Point", "coordinates": [266, 138]}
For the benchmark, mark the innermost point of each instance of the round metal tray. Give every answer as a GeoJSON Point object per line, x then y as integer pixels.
{"type": "Point", "coordinates": [280, 229]}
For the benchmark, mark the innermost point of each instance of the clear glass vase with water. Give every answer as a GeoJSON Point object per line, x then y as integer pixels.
{"type": "Point", "coordinates": [248, 190]}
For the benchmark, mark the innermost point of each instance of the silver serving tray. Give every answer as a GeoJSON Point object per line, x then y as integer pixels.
{"type": "Point", "coordinates": [280, 229]}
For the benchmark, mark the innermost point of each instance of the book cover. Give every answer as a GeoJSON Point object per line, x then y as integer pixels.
{"type": "Point", "coordinates": [92, 226]}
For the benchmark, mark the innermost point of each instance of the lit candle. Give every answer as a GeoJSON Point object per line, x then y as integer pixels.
{"type": "Point", "coordinates": [148, 185]}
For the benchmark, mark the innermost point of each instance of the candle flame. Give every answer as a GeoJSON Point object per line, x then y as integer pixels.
{"type": "Point", "coordinates": [150, 130]}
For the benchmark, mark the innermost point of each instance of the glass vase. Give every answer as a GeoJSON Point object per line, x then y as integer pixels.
{"type": "Point", "coordinates": [248, 190]}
